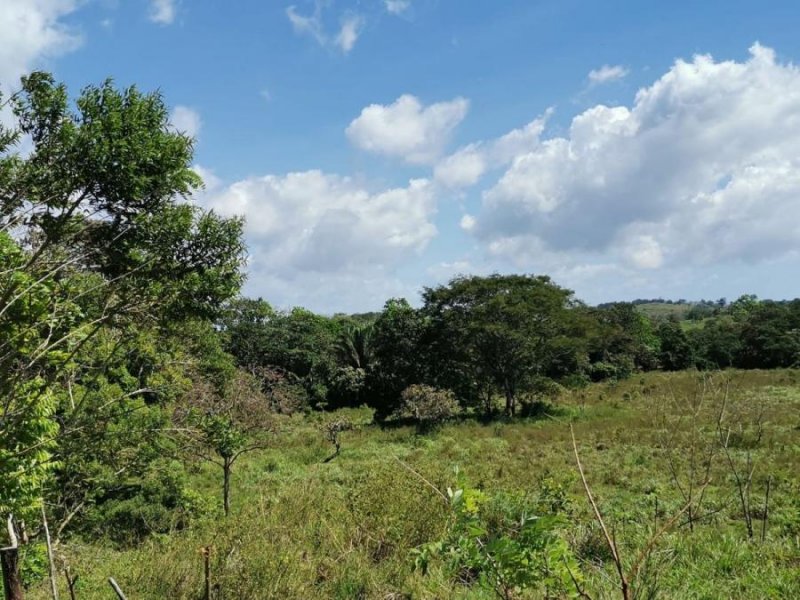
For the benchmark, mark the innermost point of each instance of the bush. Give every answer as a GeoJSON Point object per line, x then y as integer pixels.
{"type": "Point", "coordinates": [500, 544]}
{"type": "Point", "coordinates": [428, 406]}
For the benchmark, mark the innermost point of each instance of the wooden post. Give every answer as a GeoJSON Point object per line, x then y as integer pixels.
{"type": "Point", "coordinates": [53, 586]}
{"type": "Point", "coordinates": [206, 552]}
{"type": "Point", "coordinates": [117, 590]}
{"type": "Point", "coordinates": [9, 556]}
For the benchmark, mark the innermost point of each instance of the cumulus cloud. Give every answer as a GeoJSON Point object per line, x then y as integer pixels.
{"type": "Point", "coordinates": [406, 129]}
{"type": "Point", "coordinates": [32, 31]}
{"type": "Point", "coordinates": [606, 74]}
{"type": "Point", "coordinates": [397, 7]}
{"type": "Point", "coordinates": [701, 168]}
{"type": "Point", "coordinates": [311, 226]}
{"type": "Point", "coordinates": [313, 26]}
{"type": "Point", "coordinates": [186, 120]}
{"type": "Point", "coordinates": [468, 164]}
{"type": "Point", "coordinates": [163, 12]}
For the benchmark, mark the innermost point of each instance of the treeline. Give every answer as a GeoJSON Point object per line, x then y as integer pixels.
{"type": "Point", "coordinates": [509, 338]}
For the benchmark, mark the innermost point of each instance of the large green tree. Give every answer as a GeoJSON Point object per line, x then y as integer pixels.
{"type": "Point", "coordinates": [95, 236]}
{"type": "Point", "coordinates": [503, 332]}
{"type": "Point", "coordinates": [397, 355]}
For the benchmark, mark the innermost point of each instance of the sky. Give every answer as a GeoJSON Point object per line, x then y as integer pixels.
{"type": "Point", "coordinates": [627, 149]}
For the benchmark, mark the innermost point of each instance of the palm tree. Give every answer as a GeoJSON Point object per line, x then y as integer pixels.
{"type": "Point", "coordinates": [354, 346]}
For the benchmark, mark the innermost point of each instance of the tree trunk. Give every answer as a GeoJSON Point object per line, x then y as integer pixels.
{"type": "Point", "coordinates": [511, 402]}
{"type": "Point", "coordinates": [487, 404]}
{"type": "Point", "coordinates": [12, 582]}
{"type": "Point", "coordinates": [9, 557]}
{"type": "Point", "coordinates": [226, 485]}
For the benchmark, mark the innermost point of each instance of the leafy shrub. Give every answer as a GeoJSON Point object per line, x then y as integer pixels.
{"type": "Point", "coordinates": [34, 563]}
{"type": "Point", "coordinates": [158, 502]}
{"type": "Point", "coordinates": [499, 544]}
{"type": "Point", "coordinates": [428, 406]}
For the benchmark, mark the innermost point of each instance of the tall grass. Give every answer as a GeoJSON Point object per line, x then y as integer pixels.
{"type": "Point", "coordinates": [301, 528]}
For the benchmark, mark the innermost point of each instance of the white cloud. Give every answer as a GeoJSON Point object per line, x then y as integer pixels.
{"type": "Point", "coordinates": [463, 168]}
{"type": "Point", "coordinates": [643, 251]}
{"type": "Point", "coordinates": [211, 182]}
{"type": "Point", "coordinates": [703, 168]}
{"type": "Point", "coordinates": [163, 12]}
{"type": "Point", "coordinates": [406, 129]}
{"type": "Point", "coordinates": [32, 31]}
{"type": "Point", "coordinates": [397, 7]}
{"type": "Point", "coordinates": [607, 73]}
{"type": "Point", "coordinates": [312, 25]}
{"type": "Point", "coordinates": [447, 270]}
{"type": "Point", "coordinates": [310, 227]}
{"type": "Point", "coordinates": [467, 222]}
{"type": "Point", "coordinates": [186, 120]}
{"type": "Point", "coordinates": [468, 164]}
{"type": "Point", "coordinates": [349, 32]}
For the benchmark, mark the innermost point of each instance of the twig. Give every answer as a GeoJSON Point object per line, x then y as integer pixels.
{"type": "Point", "coordinates": [611, 545]}
{"type": "Point", "coordinates": [637, 565]}
{"type": "Point", "coordinates": [71, 581]}
{"type": "Point", "coordinates": [766, 511]}
{"type": "Point", "coordinates": [425, 481]}
{"type": "Point", "coordinates": [50, 563]}
{"type": "Point", "coordinates": [117, 590]}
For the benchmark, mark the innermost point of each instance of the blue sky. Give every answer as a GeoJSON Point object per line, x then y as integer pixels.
{"type": "Point", "coordinates": [628, 149]}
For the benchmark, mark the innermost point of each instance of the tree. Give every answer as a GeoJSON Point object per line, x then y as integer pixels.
{"type": "Point", "coordinates": [718, 343]}
{"type": "Point", "coordinates": [354, 346]}
{"type": "Point", "coordinates": [676, 349]}
{"type": "Point", "coordinates": [770, 336]}
{"type": "Point", "coordinates": [398, 356]}
{"type": "Point", "coordinates": [221, 428]}
{"type": "Point", "coordinates": [427, 406]}
{"type": "Point", "coordinates": [246, 327]}
{"type": "Point", "coordinates": [93, 237]}
{"type": "Point", "coordinates": [623, 338]}
{"type": "Point", "coordinates": [298, 342]}
{"type": "Point", "coordinates": [505, 330]}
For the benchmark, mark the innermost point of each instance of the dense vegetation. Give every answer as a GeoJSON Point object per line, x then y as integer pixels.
{"type": "Point", "coordinates": [149, 410]}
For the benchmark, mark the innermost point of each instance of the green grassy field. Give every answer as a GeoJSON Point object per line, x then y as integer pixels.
{"type": "Point", "coordinates": [303, 528]}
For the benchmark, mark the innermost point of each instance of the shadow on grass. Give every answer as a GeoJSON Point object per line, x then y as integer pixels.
{"type": "Point", "coordinates": [532, 412]}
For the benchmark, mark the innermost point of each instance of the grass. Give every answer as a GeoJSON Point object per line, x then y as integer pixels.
{"type": "Point", "coordinates": [301, 528]}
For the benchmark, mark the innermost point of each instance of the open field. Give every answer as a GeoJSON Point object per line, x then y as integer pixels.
{"type": "Point", "coordinates": [303, 528]}
{"type": "Point", "coordinates": [663, 310]}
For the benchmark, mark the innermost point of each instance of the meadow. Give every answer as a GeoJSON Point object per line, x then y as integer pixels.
{"type": "Point", "coordinates": [662, 454]}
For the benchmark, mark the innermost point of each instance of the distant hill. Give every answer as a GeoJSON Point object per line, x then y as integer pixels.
{"type": "Point", "coordinates": [682, 309]}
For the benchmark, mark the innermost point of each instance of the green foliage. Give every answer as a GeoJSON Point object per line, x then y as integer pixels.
{"type": "Point", "coordinates": [498, 333]}
{"type": "Point", "coordinates": [158, 500]}
{"type": "Point", "coordinates": [676, 351]}
{"type": "Point", "coordinates": [498, 542]}
{"type": "Point", "coordinates": [399, 360]}
{"type": "Point", "coordinates": [621, 340]}
{"type": "Point", "coordinates": [33, 558]}
{"type": "Point", "coordinates": [429, 407]}
{"type": "Point", "coordinates": [302, 529]}
{"type": "Point", "coordinates": [102, 247]}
